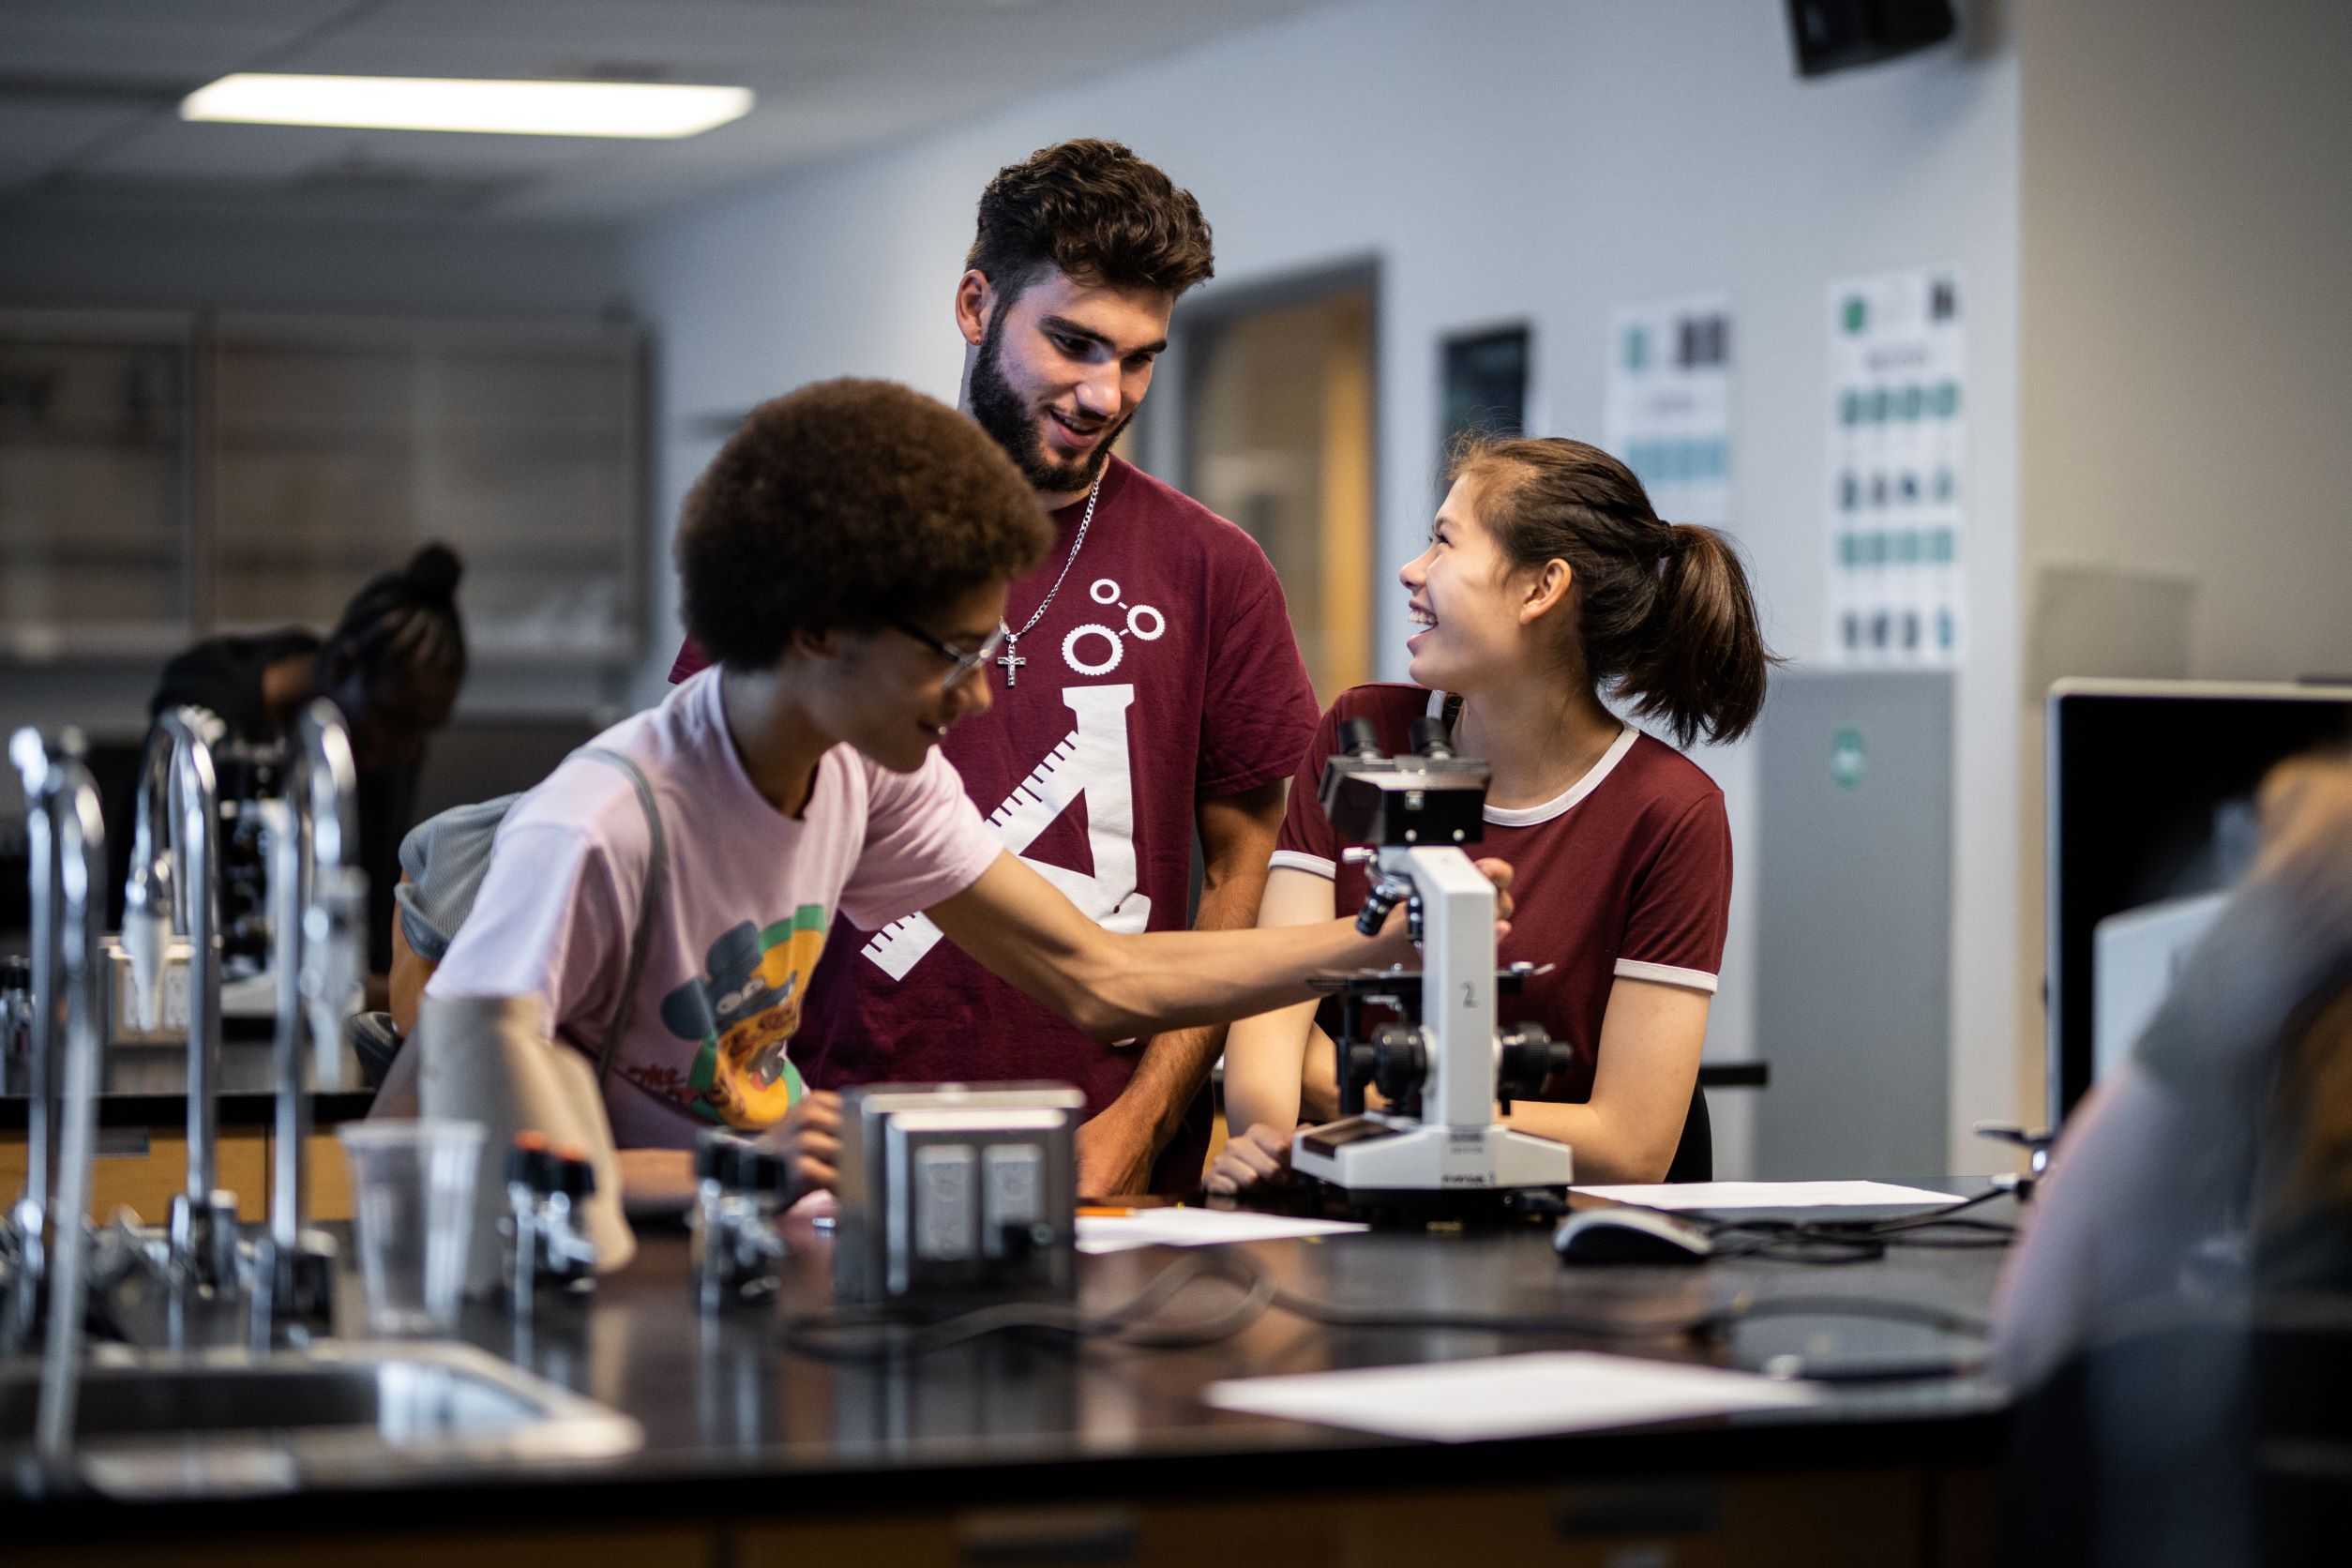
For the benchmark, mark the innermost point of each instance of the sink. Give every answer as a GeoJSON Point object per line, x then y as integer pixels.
{"type": "Point", "coordinates": [216, 1421]}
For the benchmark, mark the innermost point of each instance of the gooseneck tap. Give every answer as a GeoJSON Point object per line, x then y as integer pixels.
{"type": "Point", "coordinates": [318, 906]}
{"type": "Point", "coordinates": [25, 1237]}
{"type": "Point", "coordinates": [175, 868]}
{"type": "Point", "coordinates": [67, 841]}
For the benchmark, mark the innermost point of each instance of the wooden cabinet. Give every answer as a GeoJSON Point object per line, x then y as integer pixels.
{"type": "Point", "coordinates": [686, 1546]}
{"type": "Point", "coordinates": [141, 1169]}
{"type": "Point", "coordinates": [1891, 1518]}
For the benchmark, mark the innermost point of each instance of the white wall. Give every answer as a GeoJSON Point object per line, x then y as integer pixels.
{"type": "Point", "coordinates": [2185, 225]}
{"type": "Point", "coordinates": [1504, 158]}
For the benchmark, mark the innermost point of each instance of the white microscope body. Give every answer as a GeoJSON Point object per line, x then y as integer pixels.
{"type": "Point", "coordinates": [1444, 1067]}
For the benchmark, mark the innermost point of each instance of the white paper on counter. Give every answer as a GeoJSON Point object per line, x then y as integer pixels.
{"type": "Point", "coordinates": [1771, 1195]}
{"type": "Point", "coordinates": [1508, 1397]}
{"type": "Point", "coordinates": [1195, 1227]}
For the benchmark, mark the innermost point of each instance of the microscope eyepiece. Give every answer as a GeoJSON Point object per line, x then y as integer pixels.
{"type": "Point", "coordinates": [1358, 738]}
{"type": "Point", "coordinates": [1430, 738]}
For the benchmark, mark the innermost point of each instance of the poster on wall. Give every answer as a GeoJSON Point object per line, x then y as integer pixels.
{"type": "Point", "coordinates": [1666, 411]}
{"type": "Point", "coordinates": [1896, 422]}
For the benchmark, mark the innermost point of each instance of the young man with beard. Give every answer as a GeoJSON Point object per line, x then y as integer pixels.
{"type": "Point", "coordinates": [1148, 683]}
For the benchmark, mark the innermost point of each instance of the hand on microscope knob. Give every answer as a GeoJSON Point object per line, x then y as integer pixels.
{"type": "Point", "coordinates": [1259, 1157]}
{"type": "Point", "coordinates": [809, 1138]}
{"type": "Point", "coordinates": [1396, 935]}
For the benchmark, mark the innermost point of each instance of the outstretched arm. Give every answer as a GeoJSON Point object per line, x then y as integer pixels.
{"type": "Point", "coordinates": [1115, 985]}
{"type": "Point", "coordinates": [1117, 1147]}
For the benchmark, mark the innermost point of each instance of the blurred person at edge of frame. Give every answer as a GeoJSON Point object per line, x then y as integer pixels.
{"type": "Point", "coordinates": [392, 665]}
{"type": "Point", "coordinates": [2178, 1314]}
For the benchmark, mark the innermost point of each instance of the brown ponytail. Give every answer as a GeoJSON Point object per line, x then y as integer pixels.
{"type": "Point", "coordinates": [1663, 612]}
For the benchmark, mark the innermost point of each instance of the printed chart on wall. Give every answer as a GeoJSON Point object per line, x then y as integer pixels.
{"type": "Point", "coordinates": [1667, 408]}
{"type": "Point", "coordinates": [1897, 423]}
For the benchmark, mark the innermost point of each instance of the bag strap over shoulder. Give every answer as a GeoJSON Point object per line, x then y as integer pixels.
{"type": "Point", "coordinates": [649, 904]}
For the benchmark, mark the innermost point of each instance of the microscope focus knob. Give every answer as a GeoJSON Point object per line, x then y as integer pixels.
{"type": "Point", "coordinates": [1380, 898]}
{"type": "Point", "coordinates": [1403, 1062]}
{"type": "Point", "coordinates": [1530, 1058]}
{"type": "Point", "coordinates": [1359, 1064]}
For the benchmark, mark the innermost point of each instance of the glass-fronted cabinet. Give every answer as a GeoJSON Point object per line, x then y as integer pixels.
{"type": "Point", "coordinates": [164, 478]}
{"type": "Point", "coordinates": [96, 435]}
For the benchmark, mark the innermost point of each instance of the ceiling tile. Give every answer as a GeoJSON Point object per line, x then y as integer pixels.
{"type": "Point", "coordinates": [833, 75]}
{"type": "Point", "coordinates": [36, 134]}
{"type": "Point", "coordinates": [173, 39]}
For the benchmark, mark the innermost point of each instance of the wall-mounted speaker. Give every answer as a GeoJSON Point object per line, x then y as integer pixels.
{"type": "Point", "coordinates": [1836, 34]}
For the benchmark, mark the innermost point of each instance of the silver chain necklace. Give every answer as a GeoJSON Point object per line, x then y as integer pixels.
{"type": "Point", "coordinates": [1011, 658]}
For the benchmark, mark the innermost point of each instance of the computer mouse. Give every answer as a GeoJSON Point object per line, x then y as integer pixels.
{"type": "Point", "coordinates": [1622, 1234]}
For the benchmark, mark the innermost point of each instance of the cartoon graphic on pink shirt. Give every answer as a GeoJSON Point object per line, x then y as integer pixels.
{"type": "Point", "coordinates": [742, 1013]}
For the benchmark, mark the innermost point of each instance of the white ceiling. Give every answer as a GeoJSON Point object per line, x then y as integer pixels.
{"type": "Point", "coordinates": [89, 90]}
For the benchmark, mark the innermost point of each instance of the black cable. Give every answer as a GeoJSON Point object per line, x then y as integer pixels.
{"type": "Point", "coordinates": [1830, 1243]}
{"type": "Point", "coordinates": [865, 1332]}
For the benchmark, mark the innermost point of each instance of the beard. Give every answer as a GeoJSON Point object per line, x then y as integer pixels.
{"type": "Point", "coordinates": [996, 408]}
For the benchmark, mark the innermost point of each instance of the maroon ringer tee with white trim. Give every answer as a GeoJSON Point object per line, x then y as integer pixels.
{"type": "Point", "coordinates": [1627, 873]}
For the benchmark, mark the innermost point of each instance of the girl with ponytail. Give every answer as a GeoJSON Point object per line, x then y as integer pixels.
{"type": "Point", "coordinates": [393, 665]}
{"type": "Point", "coordinates": [1550, 589]}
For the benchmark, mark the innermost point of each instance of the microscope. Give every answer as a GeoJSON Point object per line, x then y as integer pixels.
{"type": "Point", "coordinates": [1436, 1151]}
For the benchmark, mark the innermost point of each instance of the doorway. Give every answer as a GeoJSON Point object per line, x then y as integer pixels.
{"type": "Point", "coordinates": [1278, 414]}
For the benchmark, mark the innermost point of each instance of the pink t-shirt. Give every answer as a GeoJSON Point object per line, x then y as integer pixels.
{"type": "Point", "coordinates": [745, 911]}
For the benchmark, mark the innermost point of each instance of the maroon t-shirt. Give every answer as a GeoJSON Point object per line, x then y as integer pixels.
{"type": "Point", "coordinates": [1626, 873]}
{"type": "Point", "coordinates": [1163, 673]}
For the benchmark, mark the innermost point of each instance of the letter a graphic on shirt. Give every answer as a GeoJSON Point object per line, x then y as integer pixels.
{"type": "Point", "coordinates": [1090, 762]}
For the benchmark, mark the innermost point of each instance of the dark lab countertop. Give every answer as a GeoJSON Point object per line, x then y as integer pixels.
{"type": "Point", "coordinates": [740, 1426]}
{"type": "Point", "coordinates": [147, 1086]}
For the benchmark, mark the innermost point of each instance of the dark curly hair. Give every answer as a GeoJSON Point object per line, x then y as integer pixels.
{"type": "Point", "coordinates": [1097, 212]}
{"type": "Point", "coordinates": [841, 507]}
{"type": "Point", "coordinates": [404, 623]}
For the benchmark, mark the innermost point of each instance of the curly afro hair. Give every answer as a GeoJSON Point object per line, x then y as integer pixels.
{"type": "Point", "coordinates": [1097, 212]}
{"type": "Point", "coordinates": [841, 505]}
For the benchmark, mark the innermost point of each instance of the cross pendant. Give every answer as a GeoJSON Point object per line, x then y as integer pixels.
{"type": "Point", "coordinates": [1011, 660]}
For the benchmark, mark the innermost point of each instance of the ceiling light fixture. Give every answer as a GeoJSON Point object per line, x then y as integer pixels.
{"type": "Point", "coordinates": [631, 109]}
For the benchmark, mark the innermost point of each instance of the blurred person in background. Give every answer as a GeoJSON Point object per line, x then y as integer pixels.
{"type": "Point", "coordinates": [2178, 1314]}
{"type": "Point", "coordinates": [393, 665]}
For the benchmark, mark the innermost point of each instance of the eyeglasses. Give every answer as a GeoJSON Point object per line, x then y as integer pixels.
{"type": "Point", "coordinates": [959, 665]}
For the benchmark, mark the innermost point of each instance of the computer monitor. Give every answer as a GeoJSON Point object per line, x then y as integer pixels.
{"type": "Point", "coordinates": [2150, 816]}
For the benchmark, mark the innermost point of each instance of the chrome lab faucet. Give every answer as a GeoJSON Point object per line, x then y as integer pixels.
{"type": "Point", "coordinates": [25, 1231]}
{"type": "Point", "coordinates": [318, 928]}
{"type": "Point", "coordinates": [67, 841]}
{"type": "Point", "coordinates": [176, 885]}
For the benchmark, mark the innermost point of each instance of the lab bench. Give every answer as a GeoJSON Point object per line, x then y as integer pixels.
{"type": "Point", "coordinates": [1007, 1452]}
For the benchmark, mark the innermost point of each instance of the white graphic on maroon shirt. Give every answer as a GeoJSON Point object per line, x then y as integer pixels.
{"type": "Point", "coordinates": [1090, 763]}
{"type": "Point", "coordinates": [1144, 623]}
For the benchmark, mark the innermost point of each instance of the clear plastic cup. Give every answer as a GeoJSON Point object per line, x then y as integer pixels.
{"type": "Point", "coordinates": [411, 1187]}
